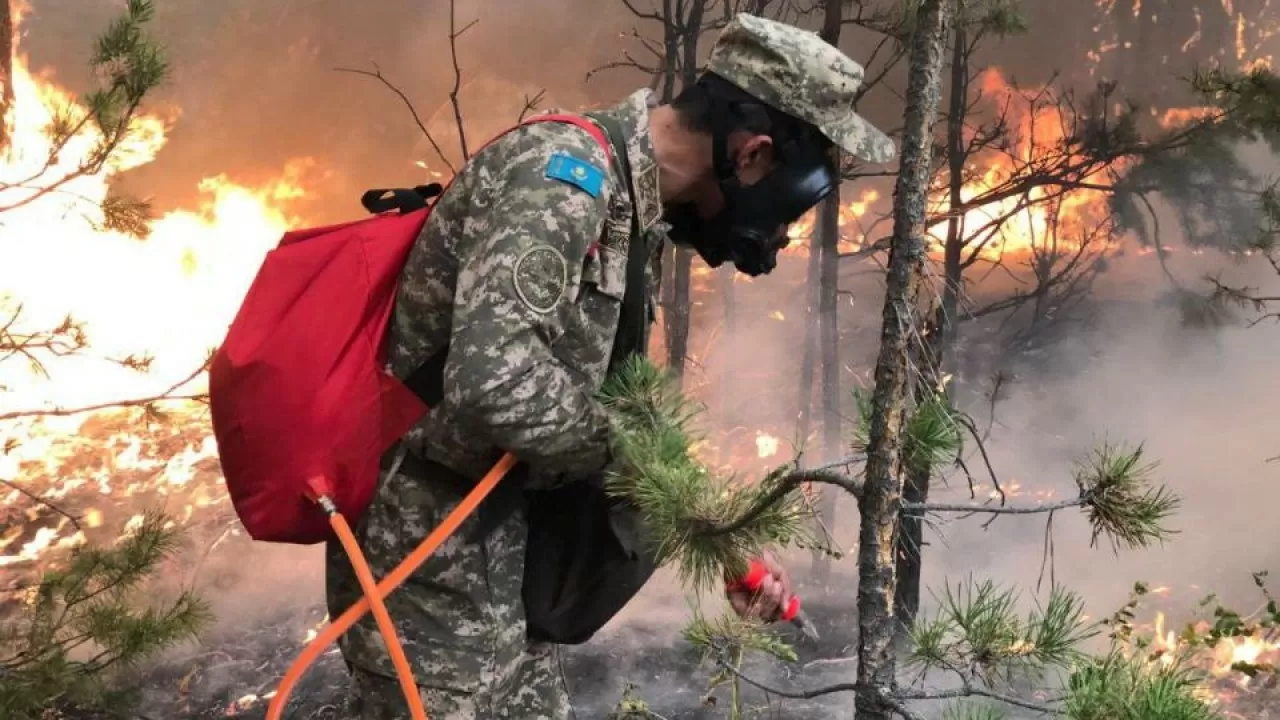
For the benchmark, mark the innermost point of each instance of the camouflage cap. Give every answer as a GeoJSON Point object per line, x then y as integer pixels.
{"type": "Point", "coordinates": [799, 73]}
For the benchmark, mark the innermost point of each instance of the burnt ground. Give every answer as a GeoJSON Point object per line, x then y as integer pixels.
{"type": "Point", "coordinates": [665, 671]}
{"type": "Point", "coordinates": [243, 658]}
{"type": "Point", "coordinates": [214, 681]}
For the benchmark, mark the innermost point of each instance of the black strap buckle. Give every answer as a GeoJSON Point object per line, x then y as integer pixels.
{"type": "Point", "coordinates": [405, 200]}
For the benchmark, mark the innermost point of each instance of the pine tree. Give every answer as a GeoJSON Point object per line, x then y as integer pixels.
{"type": "Point", "coordinates": [85, 624]}
{"type": "Point", "coordinates": [129, 66]}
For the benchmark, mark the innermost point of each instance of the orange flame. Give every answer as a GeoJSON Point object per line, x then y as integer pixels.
{"type": "Point", "coordinates": [170, 296]}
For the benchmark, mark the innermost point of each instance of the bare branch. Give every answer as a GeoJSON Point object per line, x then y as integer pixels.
{"type": "Point", "coordinates": [75, 521]}
{"type": "Point", "coordinates": [531, 104]}
{"type": "Point", "coordinates": [911, 508]}
{"type": "Point", "coordinates": [457, 78]}
{"type": "Point", "coordinates": [169, 394]}
{"type": "Point", "coordinates": [377, 74]}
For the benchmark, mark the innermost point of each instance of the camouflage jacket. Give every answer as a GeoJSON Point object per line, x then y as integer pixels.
{"type": "Point", "coordinates": [523, 276]}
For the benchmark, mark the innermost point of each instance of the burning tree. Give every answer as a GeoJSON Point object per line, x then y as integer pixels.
{"type": "Point", "coordinates": [128, 66]}
{"type": "Point", "coordinates": [80, 624]}
{"type": "Point", "coordinates": [83, 138]}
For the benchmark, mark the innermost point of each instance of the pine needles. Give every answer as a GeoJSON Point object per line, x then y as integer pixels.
{"type": "Point", "coordinates": [1121, 502]}
{"type": "Point", "coordinates": [978, 632]}
{"type": "Point", "coordinates": [1115, 687]}
{"type": "Point", "coordinates": [707, 525]}
{"type": "Point", "coordinates": [84, 622]}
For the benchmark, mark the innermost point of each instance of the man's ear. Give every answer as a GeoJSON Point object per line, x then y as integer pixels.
{"type": "Point", "coordinates": [756, 152]}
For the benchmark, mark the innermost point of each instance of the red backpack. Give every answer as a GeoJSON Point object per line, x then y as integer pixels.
{"type": "Point", "coordinates": [300, 399]}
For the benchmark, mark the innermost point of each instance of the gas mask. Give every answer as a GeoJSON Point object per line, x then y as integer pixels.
{"type": "Point", "coordinates": [751, 227]}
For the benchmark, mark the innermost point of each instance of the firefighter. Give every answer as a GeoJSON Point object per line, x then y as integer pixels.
{"type": "Point", "coordinates": [520, 272]}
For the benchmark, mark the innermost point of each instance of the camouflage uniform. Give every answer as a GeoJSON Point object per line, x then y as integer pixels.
{"type": "Point", "coordinates": [523, 276]}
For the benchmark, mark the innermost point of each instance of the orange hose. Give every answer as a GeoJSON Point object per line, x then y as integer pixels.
{"type": "Point", "coordinates": [384, 587]}
{"type": "Point", "coordinates": [403, 672]}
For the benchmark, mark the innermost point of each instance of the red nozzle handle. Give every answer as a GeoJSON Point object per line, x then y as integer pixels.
{"type": "Point", "coordinates": [756, 573]}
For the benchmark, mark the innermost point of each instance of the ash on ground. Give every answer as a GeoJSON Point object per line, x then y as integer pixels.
{"type": "Point", "coordinates": [234, 673]}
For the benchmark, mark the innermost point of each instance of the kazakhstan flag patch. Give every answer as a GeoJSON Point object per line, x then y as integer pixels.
{"type": "Point", "coordinates": [579, 173]}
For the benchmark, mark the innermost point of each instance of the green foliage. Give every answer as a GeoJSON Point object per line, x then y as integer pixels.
{"type": "Point", "coordinates": [973, 711]}
{"type": "Point", "coordinates": [933, 435]}
{"type": "Point", "coordinates": [726, 642]}
{"type": "Point", "coordinates": [1121, 501]}
{"type": "Point", "coordinates": [999, 17]}
{"type": "Point", "coordinates": [1201, 184]}
{"type": "Point", "coordinates": [1229, 625]}
{"type": "Point", "coordinates": [129, 66]}
{"type": "Point", "coordinates": [85, 622]}
{"type": "Point", "coordinates": [730, 632]}
{"type": "Point", "coordinates": [977, 627]}
{"type": "Point", "coordinates": [1195, 166]}
{"type": "Point", "coordinates": [706, 525]}
{"type": "Point", "coordinates": [1116, 687]}
{"type": "Point", "coordinates": [978, 635]}
{"type": "Point", "coordinates": [633, 707]}
{"type": "Point", "coordinates": [1249, 101]}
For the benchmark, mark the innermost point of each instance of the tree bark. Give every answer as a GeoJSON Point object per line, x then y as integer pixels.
{"type": "Point", "coordinates": [881, 504]}
{"type": "Point", "coordinates": [827, 244]}
{"type": "Point", "coordinates": [828, 236]}
{"type": "Point", "coordinates": [681, 297]}
{"type": "Point", "coordinates": [938, 341]}
{"type": "Point", "coordinates": [6, 74]}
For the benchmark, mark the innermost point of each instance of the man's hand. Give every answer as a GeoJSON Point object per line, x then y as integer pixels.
{"type": "Point", "coordinates": [768, 602]}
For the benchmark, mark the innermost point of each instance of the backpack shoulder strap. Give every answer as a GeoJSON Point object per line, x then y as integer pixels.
{"type": "Point", "coordinates": [428, 380]}
{"type": "Point", "coordinates": [630, 338]}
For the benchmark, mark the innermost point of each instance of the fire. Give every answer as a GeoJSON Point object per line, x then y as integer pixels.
{"type": "Point", "coordinates": [1221, 660]}
{"type": "Point", "coordinates": [159, 304]}
{"type": "Point", "coordinates": [852, 231]}
{"type": "Point", "coordinates": [1036, 221]}
{"type": "Point", "coordinates": [169, 297]}
{"type": "Point", "coordinates": [766, 445]}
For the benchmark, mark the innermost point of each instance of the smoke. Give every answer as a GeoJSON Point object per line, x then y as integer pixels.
{"type": "Point", "coordinates": [255, 87]}
{"type": "Point", "coordinates": [255, 83]}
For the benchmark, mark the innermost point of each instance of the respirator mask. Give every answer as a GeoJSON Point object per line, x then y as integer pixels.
{"type": "Point", "coordinates": [751, 227]}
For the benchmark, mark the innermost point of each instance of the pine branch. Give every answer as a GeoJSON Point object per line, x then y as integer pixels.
{"type": "Point", "coordinates": [685, 506]}
{"type": "Point", "coordinates": [130, 66]}
{"type": "Point", "coordinates": [91, 604]}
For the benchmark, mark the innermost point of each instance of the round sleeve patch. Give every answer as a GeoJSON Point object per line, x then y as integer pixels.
{"type": "Point", "coordinates": [541, 277]}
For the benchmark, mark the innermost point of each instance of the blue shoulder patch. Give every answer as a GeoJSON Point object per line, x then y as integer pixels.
{"type": "Point", "coordinates": [579, 173]}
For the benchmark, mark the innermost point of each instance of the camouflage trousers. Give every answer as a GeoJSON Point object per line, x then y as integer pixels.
{"type": "Point", "coordinates": [460, 617]}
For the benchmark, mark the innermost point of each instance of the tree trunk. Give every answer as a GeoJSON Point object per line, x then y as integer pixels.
{"type": "Point", "coordinates": [678, 334]}
{"type": "Point", "coordinates": [808, 366]}
{"type": "Point", "coordinates": [827, 234]}
{"type": "Point", "coordinates": [671, 254]}
{"type": "Point", "coordinates": [937, 342]}
{"type": "Point", "coordinates": [678, 330]}
{"type": "Point", "coordinates": [881, 503]}
{"type": "Point", "coordinates": [6, 74]}
{"type": "Point", "coordinates": [728, 361]}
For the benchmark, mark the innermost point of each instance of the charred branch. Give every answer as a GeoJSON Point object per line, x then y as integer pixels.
{"type": "Point", "coordinates": [171, 394]}
{"type": "Point", "coordinates": [376, 73]}
{"type": "Point", "coordinates": [457, 77]}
